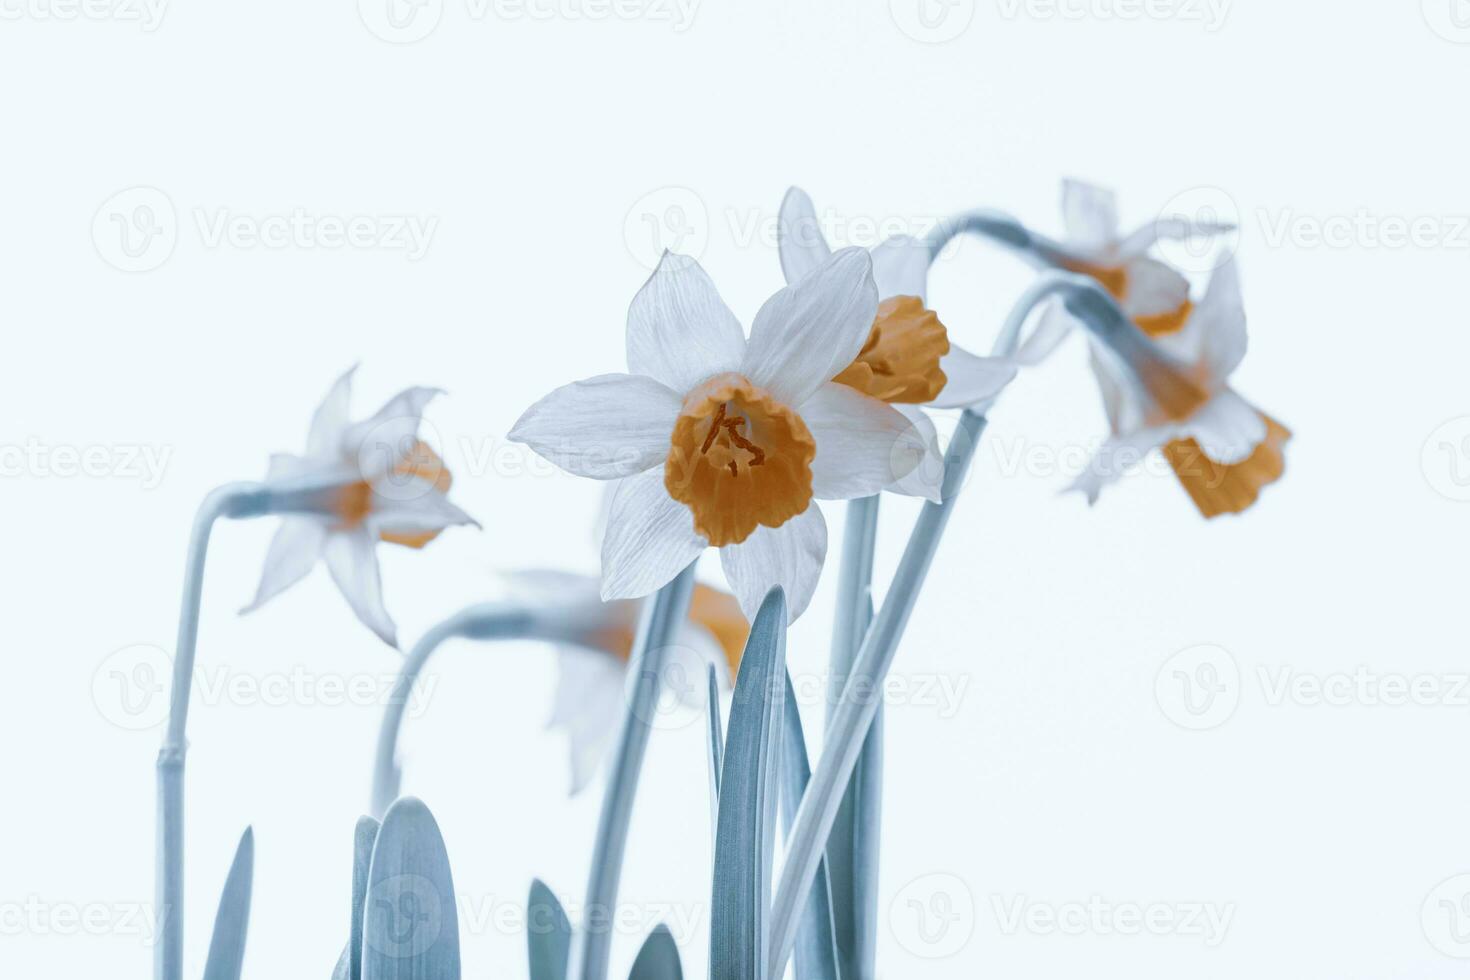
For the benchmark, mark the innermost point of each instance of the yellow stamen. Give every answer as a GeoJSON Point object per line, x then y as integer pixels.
{"type": "Point", "coordinates": [739, 459]}
{"type": "Point", "coordinates": [900, 360]}
{"type": "Point", "coordinates": [1217, 488]}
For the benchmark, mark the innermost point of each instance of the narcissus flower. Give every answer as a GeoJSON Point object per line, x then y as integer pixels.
{"type": "Point", "coordinates": [1222, 448]}
{"type": "Point", "coordinates": [908, 359]}
{"type": "Point", "coordinates": [358, 484]}
{"type": "Point", "coordinates": [723, 442]}
{"type": "Point", "coordinates": [591, 693]}
{"type": "Point", "coordinates": [1154, 295]}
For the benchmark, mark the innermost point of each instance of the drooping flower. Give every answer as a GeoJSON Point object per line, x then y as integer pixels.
{"type": "Point", "coordinates": [1222, 448]}
{"type": "Point", "coordinates": [356, 485]}
{"type": "Point", "coordinates": [721, 442]}
{"type": "Point", "coordinates": [1153, 294]}
{"type": "Point", "coordinates": [1165, 386]}
{"type": "Point", "coordinates": [592, 676]}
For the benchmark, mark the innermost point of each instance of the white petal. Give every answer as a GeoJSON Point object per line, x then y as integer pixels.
{"type": "Point", "coordinates": [1053, 327]}
{"type": "Point", "coordinates": [799, 236]}
{"type": "Point", "coordinates": [861, 443]}
{"type": "Point", "coordinates": [293, 552]}
{"type": "Point", "coordinates": [679, 330]}
{"type": "Point", "coordinates": [417, 510]}
{"type": "Point", "coordinates": [380, 443]}
{"type": "Point", "coordinates": [789, 556]}
{"type": "Point", "coordinates": [353, 562]}
{"type": "Point", "coordinates": [811, 330]}
{"type": "Point", "coordinates": [1090, 215]}
{"type": "Point", "coordinates": [606, 427]}
{"type": "Point", "coordinates": [1117, 456]}
{"type": "Point", "coordinates": [1153, 288]}
{"type": "Point", "coordinates": [1123, 404]}
{"type": "Point", "coordinates": [1227, 427]}
{"type": "Point", "coordinates": [588, 706]}
{"type": "Point", "coordinates": [901, 267]}
{"type": "Point", "coordinates": [1220, 319]}
{"type": "Point", "coordinates": [329, 422]}
{"type": "Point", "coordinates": [922, 440]}
{"type": "Point", "coordinates": [971, 379]}
{"type": "Point", "coordinates": [650, 538]}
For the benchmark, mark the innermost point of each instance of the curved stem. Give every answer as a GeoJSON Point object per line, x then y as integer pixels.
{"type": "Point", "coordinates": [487, 621]}
{"type": "Point", "coordinates": [848, 727]}
{"type": "Point", "coordinates": [231, 500]}
{"type": "Point", "coordinates": [662, 617]}
{"type": "Point", "coordinates": [998, 227]}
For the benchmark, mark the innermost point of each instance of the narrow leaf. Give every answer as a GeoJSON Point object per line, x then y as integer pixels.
{"type": "Point", "coordinates": [410, 926]}
{"type": "Point", "coordinates": [716, 741]}
{"type": "Point", "coordinates": [365, 834]}
{"type": "Point", "coordinates": [548, 934]}
{"type": "Point", "coordinates": [227, 945]}
{"type": "Point", "coordinates": [659, 957]}
{"type": "Point", "coordinates": [816, 941]}
{"type": "Point", "coordinates": [749, 790]}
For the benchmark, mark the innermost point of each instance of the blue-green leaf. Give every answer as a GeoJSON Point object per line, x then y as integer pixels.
{"type": "Point", "coordinates": [749, 790]}
{"type": "Point", "coordinates": [816, 941]}
{"type": "Point", "coordinates": [365, 834]}
{"type": "Point", "coordinates": [659, 957]}
{"type": "Point", "coordinates": [227, 945]}
{"type": "Point", "coordinates": [548, 934]}
{"type": "Point", "coordinates": [410, 926]}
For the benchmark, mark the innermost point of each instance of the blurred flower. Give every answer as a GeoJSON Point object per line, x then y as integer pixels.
{"type": "Point", "coordinates": [1223, 449]}
{"type": "Point", "coordinates": [590, 699]}
{"type": "Point", "coordinates": [357, 484]}
{"type": "Point", "coordinates": [716, 441]}
{"type": "Point", "coordinates": [907, 359]}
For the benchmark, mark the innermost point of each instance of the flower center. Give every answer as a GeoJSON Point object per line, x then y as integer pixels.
{"type": "Point", "coordinates": [900, 361]}
{"type": "Point", "coordinates": [739, 459]}
{"type": "Point", "coordinates": [355, 501]}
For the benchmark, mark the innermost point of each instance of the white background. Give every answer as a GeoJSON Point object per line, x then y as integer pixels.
{"type": "Point", "coordinates": [555, 147]}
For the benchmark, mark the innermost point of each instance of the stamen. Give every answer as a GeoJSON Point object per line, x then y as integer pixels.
{"type": "Point", "coordinates": [714, 429]}
{"type": "Point", "coordinates": [739, 440]}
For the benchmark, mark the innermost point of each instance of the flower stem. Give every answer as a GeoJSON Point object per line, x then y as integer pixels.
{"type": "Point", "coordinates": [487, 621]}
{"type": "Point", "coordinates": [662, 617]}
{"type": "Point", "coordinates": [852, 849]}
{"type": "Point", "coordinates": [231, 500]}
{"type": "Point", "coordinates": [848, 726]}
